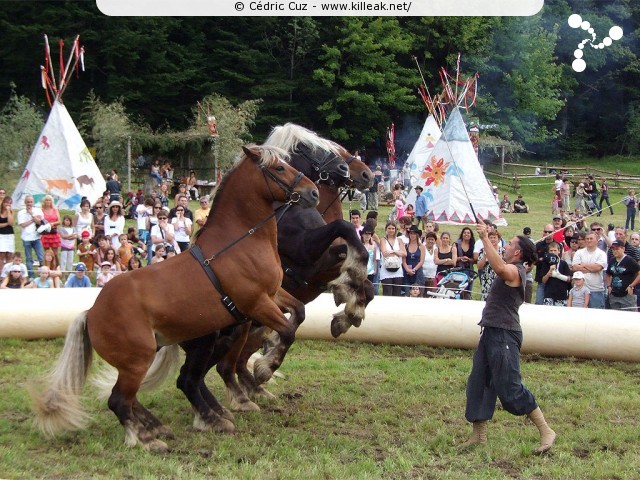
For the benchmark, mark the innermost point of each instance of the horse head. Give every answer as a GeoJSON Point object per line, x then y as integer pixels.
{"type": "Point", "coordinates": [318, 158]}
{"type": "Point", "coordinates": [284, 183]}
{"type": "Point", "coordinates": [361, 175]}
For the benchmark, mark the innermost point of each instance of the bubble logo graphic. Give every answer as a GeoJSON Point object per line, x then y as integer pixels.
{"type": "Point", "coordinates": [575, 21]}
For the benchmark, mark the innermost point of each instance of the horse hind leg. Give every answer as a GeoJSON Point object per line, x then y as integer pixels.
{"type": "Point", "coordinates": [209, 414]}
{"type": "Point", "coordinates": [226, 367]}
{"type": "Point", "coordinates": [270, 314]}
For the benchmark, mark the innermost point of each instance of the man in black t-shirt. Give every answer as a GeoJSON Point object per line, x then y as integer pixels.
{"type": "Point", "coordinates": [623, 274]}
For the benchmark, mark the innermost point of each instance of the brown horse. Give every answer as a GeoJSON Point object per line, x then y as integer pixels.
{"type": "Point", "coordinates": [178, 300]}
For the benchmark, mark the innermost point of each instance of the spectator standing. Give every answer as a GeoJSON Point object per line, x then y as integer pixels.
{"type": "Point", "coordinates": [464, 246]}
{"type": "Point", "coordinates": [573, 248]}
{"type": "Point", "coordinates": [183, 202]}
{"type": "Point", "coordinates": [162, 233]}
{"type": "Point", "coordinates": [366, 235]}
{"type": "Point", "coordinates": [50, 239]}
{"type": "Point", "coordinates": [143, 211]}
{"type": "Point", "coordinates": [114, 187]}
{"type": "Point", "coordinates": [201, 214]}
{"type": "Point", "coordinates": [557, 279]}
{"type": "Point", "coordinates": [67, 243]}
{"type": "Point", "coordinates": [429, 266]}
{"type": "Point", "coordinates": [592, 261]}
{"type": "Point", "coordinates": [412, 263]}
{"type": "Point", "coordinates": [29, 218]}
{"type": "Point", "coordinates": [579, 204]}
{"type": "Point", "coordinates": [391, 246]}
{"type": "Point", "coordinates": [558, 228]}
{"type": "Point", "coordinates": [98, 219]}
{"type": "Point", "coordinates": [114, 224]}
{"type": "Point", "coordinates": [182, 227]}
{"type": "Point", "coordinates": [182, 190]}
{"type": "Point", "coordinates": [604, 196]}
{"type": "Point", "coordinates": [631, 201]}
{"type": "Point", "coordinates": [78, 279]}
{"type": "Point", "coordinates": [629, 249]}
{"type": "Point", "coordinates": [421, 207]}
{"type": "Point", "coordinates": [354, 216]}
{"type": "Point", "coordinates": [446, 257]}
{"type": "Point", "coordinates": [7, 236]}
{"type": "Point", "coordinates": [542, 248]}
{"type": "Point", "coordinates": [579, 294]}
{"type": "Point", "coordinates": [557, 187]}
{"type": "Point", "coordinates": [163, 195]}
{"type": "Point", "coordinates": [83, 221]}
{"type": "Point", "coordinates": [592, 189]}
{"type": "Point", "coordinates": [565, 192]}
{"type": "Point", "coordinates": [623, 275]}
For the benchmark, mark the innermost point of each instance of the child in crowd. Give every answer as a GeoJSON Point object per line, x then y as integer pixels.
{"type": "Point", "coordinates": [558, 279]}
{"type": "Point", "coordinates": [579, 294]}
{"type": "Point", "coordinates": [105, 274]}
{"type": "Point", "coordinates": [13, 279]}
{"type": "Point", "coordinates": [86, 251]}
{"type": "Point", "coordinates": [159, 254]}
{"type": "Point", "coordinates": [67, 243]}
{"type": "Point", "coordinates": [17, 260]}
{"type": "Point", "coordinates": [125, 252]}
{"type": "Point", "coordinates": [134, 263]}
{"type": "Point", "coordinates": [78, 279]}
{"type": "Point", "coordinates": [415, 291]}
{"type": "Point", "coordinates": [44, 279]}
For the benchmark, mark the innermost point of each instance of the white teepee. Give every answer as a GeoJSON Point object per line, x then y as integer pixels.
{"type": "Point", "coordinates": [60, 165]}
{"type": "Point", "coordinates": [419, 155]}
{"type": "Point", "coordinates": [445, 180]}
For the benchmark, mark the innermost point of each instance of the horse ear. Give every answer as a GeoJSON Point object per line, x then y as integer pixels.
{"type": "Point", "coordinates": [251, 154]}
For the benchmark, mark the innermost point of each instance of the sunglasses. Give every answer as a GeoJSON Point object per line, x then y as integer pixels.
{"type": "Point", "coordinates": [595, 229]}
{"type": "Point", "coordinates": [180, 210]}
{"type": "Point", "coordinates": [156, 208]}
{"type": "Point", "coordinates": [162, 218]}
{"type": "Point", "coordinates": [99, 208]}
{"type": "Point", "coordinates": [547, 231]}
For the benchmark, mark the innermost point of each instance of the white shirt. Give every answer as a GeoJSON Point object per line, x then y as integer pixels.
{"type": "Point", "coordinates": [142, 212]}
{"type": "Point", "coordinates": [558, 184]}
{"type": "Point", "coordinates": [114, 227]}
{"type": "Point", "coordinates": [593, 281]}
{"type": "Point", "coordinates": [180, 229]}
{"type": "Point", "coordinates": [156, 231]}
{"type": "Point", "coordinates": [7, 268]}
{"type": "Point", "coordinates": [29, 233]}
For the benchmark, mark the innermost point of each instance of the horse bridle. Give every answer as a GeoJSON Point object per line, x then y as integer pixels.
{"type": "Point", "coordinates": [291, 196]}
{"type": "Point", "coordinates": [321, 165]}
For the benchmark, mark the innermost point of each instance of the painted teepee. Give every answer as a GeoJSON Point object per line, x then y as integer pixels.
{"type": "Point", "coordinates": [419, 155]}
{"type": "Point", "coordinates": [452, 169]}
{"type": "Point", "coordinates": [60, 164]}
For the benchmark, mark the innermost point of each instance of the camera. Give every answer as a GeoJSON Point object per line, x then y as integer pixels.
{"type": "Point", "coordinates": [551, 259]}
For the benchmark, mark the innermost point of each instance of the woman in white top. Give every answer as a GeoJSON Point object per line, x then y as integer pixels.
{"type": "Point", "coordinates": [429, 266]}
{"type": "Point", "coordinates": [114, 224]}
{"type": "Point", "coordinates": [391, 246]}
{"type": "Point", "coordinates": [83, 221]}
{"type": "Point", "coordinates": [182, 227]}
{"type": "Point", "coordinates": [162, 233]}
{"type": "Point", "coordinates": [366, 235]}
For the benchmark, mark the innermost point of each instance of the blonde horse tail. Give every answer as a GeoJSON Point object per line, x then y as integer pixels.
{"type": "Point", "coordinates": [164, 364]}
{"type": "Point", "coordinates": [58, 408]}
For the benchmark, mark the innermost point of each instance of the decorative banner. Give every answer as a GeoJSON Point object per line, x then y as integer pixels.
{"type": "Point", "coordinates": [391, 145]}
{"type": "Point", "coordinates": [60, 165]}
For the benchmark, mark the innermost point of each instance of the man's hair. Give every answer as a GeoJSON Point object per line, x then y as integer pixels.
{"type": "Point", "coordinates": [580, 235]}
{"type": "Point", "coordinates": [596, 224]}
{"type": "Point", "coordinates": [354, 212]}
{"type": "Point", "coordinates": [527, 250]}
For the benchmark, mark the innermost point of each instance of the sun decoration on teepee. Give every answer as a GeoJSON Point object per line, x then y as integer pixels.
{"type": "Point", "coordinates": [435, 172]}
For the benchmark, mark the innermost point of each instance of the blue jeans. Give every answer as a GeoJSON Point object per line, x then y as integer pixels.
{"type": "Point", "coordinates": [36, 245]}
{"type": "Point", "coordinates": [540, 294]}
{"type": "Point", "coordinates": [596, 300]}
{"type": "Point", "coordinates": [631, 219]}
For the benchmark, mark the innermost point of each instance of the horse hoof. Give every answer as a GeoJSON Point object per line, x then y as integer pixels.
{"type": "Point", "coordinates": [157, 446]}
{"type": "Point", "coordinates": [246, 406]}
{"type": "Point", "coordinates": [262, 372]}
{"type": "Point", "coordinates": [224, 426]}
{"type": "Point", "coordinates": [355, 320]}
{"type": "Point", "coordinates": [165, 432]}
{"type": "Point", "coordinates": [339, 325]}
{"type": "Point", "coordinates": [262, 393]}
{"type": "Point", "coordinates": [215, 423]}
{"type": "Point", "coordinates": [226, 414]}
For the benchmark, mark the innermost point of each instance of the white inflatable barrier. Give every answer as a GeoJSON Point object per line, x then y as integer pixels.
{"type": "Point", "coordinates": [552, 331]}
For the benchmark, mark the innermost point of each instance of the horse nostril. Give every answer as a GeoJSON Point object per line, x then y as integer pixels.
{"type": "Point", "coordinates": [344, 169]}
{"type": "Point", "coordinates": [315, 194]}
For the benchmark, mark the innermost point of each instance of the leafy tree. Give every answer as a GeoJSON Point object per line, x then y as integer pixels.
{"type": "Point", "coordinates": [20, 125]}
{"type": "Point", "coordinates": [365, 78]}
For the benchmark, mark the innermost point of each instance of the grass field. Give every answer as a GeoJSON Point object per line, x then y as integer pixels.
{"type": "Point", "coordinates": [349, 410]}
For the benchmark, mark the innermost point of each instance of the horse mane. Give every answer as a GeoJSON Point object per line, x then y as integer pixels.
{"type": "Point", "coordinates": [289, 135]}
{"type": "Point", "coordinates": [269, 155]}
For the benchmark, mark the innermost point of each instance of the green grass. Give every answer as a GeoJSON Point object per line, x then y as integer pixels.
{"type": "Point", "coordinates": [345, 410]}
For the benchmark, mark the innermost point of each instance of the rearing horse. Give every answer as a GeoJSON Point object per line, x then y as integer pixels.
{"type": "Point", "coordinates": [140, 311]}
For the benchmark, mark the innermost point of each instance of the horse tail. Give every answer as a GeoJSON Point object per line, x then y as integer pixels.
{"type": "Point", "coordinates": [58, 408]}
{"type": "Point", "coordinates": [164, 364]}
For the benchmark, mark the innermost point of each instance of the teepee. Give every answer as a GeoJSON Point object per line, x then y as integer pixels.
{"type": "Point", "coordinates": [60, 164]}
{"type": "Point", "coordinates": [419, 155]}
{"type": "Point", "coordinates": [453, 179]}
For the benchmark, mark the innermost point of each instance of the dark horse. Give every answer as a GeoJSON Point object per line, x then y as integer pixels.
{"type": "Point", "coordinates": [144, 309]}
{"type": "Point", "coordinates": [311, 263]}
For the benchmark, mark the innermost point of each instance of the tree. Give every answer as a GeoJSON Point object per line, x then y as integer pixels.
{"type": "Point", "coordinates": [20, 125]}
{"type": "Point", "coordinates": [365, 78]}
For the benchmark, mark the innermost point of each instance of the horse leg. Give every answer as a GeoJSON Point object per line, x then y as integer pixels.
{"type": "Point", "coordinates": [151, 422]}
{"type": "Point", "coordinates": [209, 414]}
{"type": "Point", "coordinates": [245, 376]}
{"type": "Point", "coordinates": [342, 321]}
{"type": "Point", "coordinates": [227, 370]}
{"type": "Point", "coordinates": [269, 313]}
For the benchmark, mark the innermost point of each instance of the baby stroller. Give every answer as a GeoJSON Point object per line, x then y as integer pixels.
{"type": "Point", "coordinates": [456, 284]}
{"type": "Point", "coordinates": [589, 205]}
